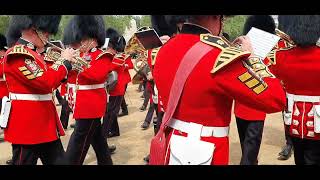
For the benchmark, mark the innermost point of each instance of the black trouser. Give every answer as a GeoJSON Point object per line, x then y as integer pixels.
{"type": "Point", "coordinates": [88, 132]}
{"type": "Point", "coordinates": [146, 94]}
{"type": "Point", "coordinates": [49, 153]}
{"type": "Point", "coordinates": [124, 107]}
{"type": "Point", "coordinates": [59, 97]}
{"type": "Point", "coordinates": [153, 107]}
{"type": "Point", "coordinates": [65, 113]}
{"type": "Point", "coordinates": [110, 119]}
{"type": "Point", "coordinates": [159, 121]}
{"type": "Point", "coordinates": [250, 135]}
{"type": "Point", "coordinates": [306, 151]}
{"type": "Point", "coordinates": [286, 132]}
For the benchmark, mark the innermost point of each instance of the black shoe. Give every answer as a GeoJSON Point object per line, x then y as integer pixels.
{"type": "Point", "coordinates": [147, 158]}
{"type": "Point", "coordinates": [142, 108]}
{"type": "Point", "coordinates": [110, 135]}
{"type": "Point", "coordinates": [112, 148]}
{"type": "Point", "coordinates": [9, 162]}
{"type": "Point", "coordinates": [286, 152]}
{"type": "Point", "coordinates": [123, 114]}
{"type": "Point", "coordinates": [1, 139]}
{"type": "Point", "coordinates": [145, 125]}
{"type": "Point", "coordinates": [73, 125]}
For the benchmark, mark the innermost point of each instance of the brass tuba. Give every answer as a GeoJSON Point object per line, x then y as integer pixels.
{"type": "Point", "coordinates": [54, 53]}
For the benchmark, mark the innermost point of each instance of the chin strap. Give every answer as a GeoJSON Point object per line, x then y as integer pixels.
{"type": "Point", "coordinates": [41, 37]}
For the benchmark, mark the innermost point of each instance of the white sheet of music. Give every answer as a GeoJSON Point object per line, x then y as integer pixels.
{"type": "Point", "coordinates": [105, 46]}
{"type": "Point", "coordinates": [262, 42]}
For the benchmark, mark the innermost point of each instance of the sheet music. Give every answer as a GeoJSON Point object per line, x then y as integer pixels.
{"type": "Point", "coordinates": [105, 46]}
{"type": "Point", "coordinates": [262, 42]}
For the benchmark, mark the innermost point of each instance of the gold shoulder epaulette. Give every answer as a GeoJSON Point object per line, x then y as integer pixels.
{"type": "Point", "coordinates": [154, 54]}
{"type": "Point", "coordinates": [228, 53]}
{"type": "Point", "coordinates": [104, 53]}
{"type": "Point", "coordinates": [122, 56]}
{"type": "Point", "coordinates": [215, 41]}
{"type": "Point", "coordinates": [272, 57]}
{"type": "Point", "coordinates": [226, 56]}
{"type": "Point", "coordinates": [19, 49]}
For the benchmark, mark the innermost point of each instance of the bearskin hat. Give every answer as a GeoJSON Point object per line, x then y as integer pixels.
{"type": "Point", "coordinates": [115, 39]}
{"type": "Point", "coordinates": [160, 25]}
{"type": "Point", "coordinates": [122, 44]}
{"type": "Point", "coordinates": [12, 35]}
{"type": "Point", "coordinates": [263, 22]}
{"type": "Point", "coordinates": [173, 20]}
{"type": "Point", "coordinates": [89, 26]}
{"type": "Point", "coordinates": [188, 17]}
{"type": "Point", "coordinates": [3, 42]}
{"type": "Point", "coordinates": [46, 23]}
{"type": "Point", "coordinates": [304, 30]}
{"type": "Point", "coordinates": [68, 37]}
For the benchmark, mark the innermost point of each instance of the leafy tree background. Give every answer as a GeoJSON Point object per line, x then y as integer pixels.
{"type": "Point", "coordinates": [233, 26]}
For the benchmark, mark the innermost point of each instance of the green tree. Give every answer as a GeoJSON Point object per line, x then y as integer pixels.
{"type": "Point", "coordinates": [145, 20]}
{"type": "Point", "coordinates": [4, 23]}
{"type": "Point", "coordinates": [118, 22]}
{"type": "Point", "coordinates": [234, 26]}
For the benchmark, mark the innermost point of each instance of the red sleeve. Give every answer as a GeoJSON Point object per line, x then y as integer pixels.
{"type": "Point", "coordinates": [129, 63]}
{"type": "Point", "coordinates": [235, 81]}
{"type": "Point", "coordinates": [99, 70]}
{"type": "Point", "coordinates": [37, 77]}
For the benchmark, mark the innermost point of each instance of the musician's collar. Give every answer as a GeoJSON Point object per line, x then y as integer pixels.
{"type": "Point", "coordinates": [190, 28]}
{"type": "Point", "coordinates": [27, 43]}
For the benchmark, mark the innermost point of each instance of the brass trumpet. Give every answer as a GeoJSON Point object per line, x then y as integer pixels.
{"type": "Point", "coordinates": [54, 53]}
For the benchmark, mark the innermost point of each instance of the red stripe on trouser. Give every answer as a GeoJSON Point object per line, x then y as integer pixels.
{"type": "Point", "coordinates": [20, 159]}
{"type": "Point", "coordinates": [84, 144]}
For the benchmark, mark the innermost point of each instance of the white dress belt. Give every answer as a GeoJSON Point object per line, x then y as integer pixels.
{"type": "Point", "coordinates": [206, 131]}
{"type": "Point", "coordinates": [88, 87]}
{"type": "Point", "coordinates": [31, 97]}
{"type": "Point", "coordinates": [1, 79]}
{"type": "Point", "coordinates": [303, 98]}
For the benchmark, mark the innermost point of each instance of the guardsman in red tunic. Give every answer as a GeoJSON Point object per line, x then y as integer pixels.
{"type": "Point", "coordinates": [110, 119]}
{"type": "Point", "coordinates": [127, 78]}
{"type": "Point", "coordinates": [166, 26]}
{"type": "Point", "coordinates": [3, 85]}
{"type": "Point", "coordinates": [250, 122]}
{"type": "Point", "coordinates": [284, 42]}
{"type": "Point", "coordinates": [298, 68]}
{"type": "Point", "coordinates": [198, 130]}
{"type": "Point", "coordinates": [33, 127]}
{"type": "Point", "coordinates": [90, 93]}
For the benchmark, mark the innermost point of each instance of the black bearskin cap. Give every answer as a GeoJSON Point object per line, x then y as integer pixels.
{"type": "Point", "coordinates": [3, 42]}
{"type": "Point", "coordinates": [173, 20]}
{"type": "Point", "coordinates": [160, 25]}
{"type": "Point", "coordinates": [115, 39]}
{"type": "Point", "coordinates": [68, 37]}
{"type": "Point", "coordinates": [46, 23]}
{"type": "Point", "coordinates": [304, 30]}
{"type": "Point", "coordinates": [122, 44]}
{"type": "Point", "coordinates": [89, 26]}
{"type": "Point", "coordinates": [263, 22]}
{"type": "Point", "coordinates": [13, 34]}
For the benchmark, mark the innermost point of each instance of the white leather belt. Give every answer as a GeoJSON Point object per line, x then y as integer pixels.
{"type": "Point", "coordinates": [87, 87]}
{"type": "Point", "coordinates": [31, 97]}
{"type": "Point", "coordinates": [206, 131]}
{"type": "Point", "coordinates": [303, 98]}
